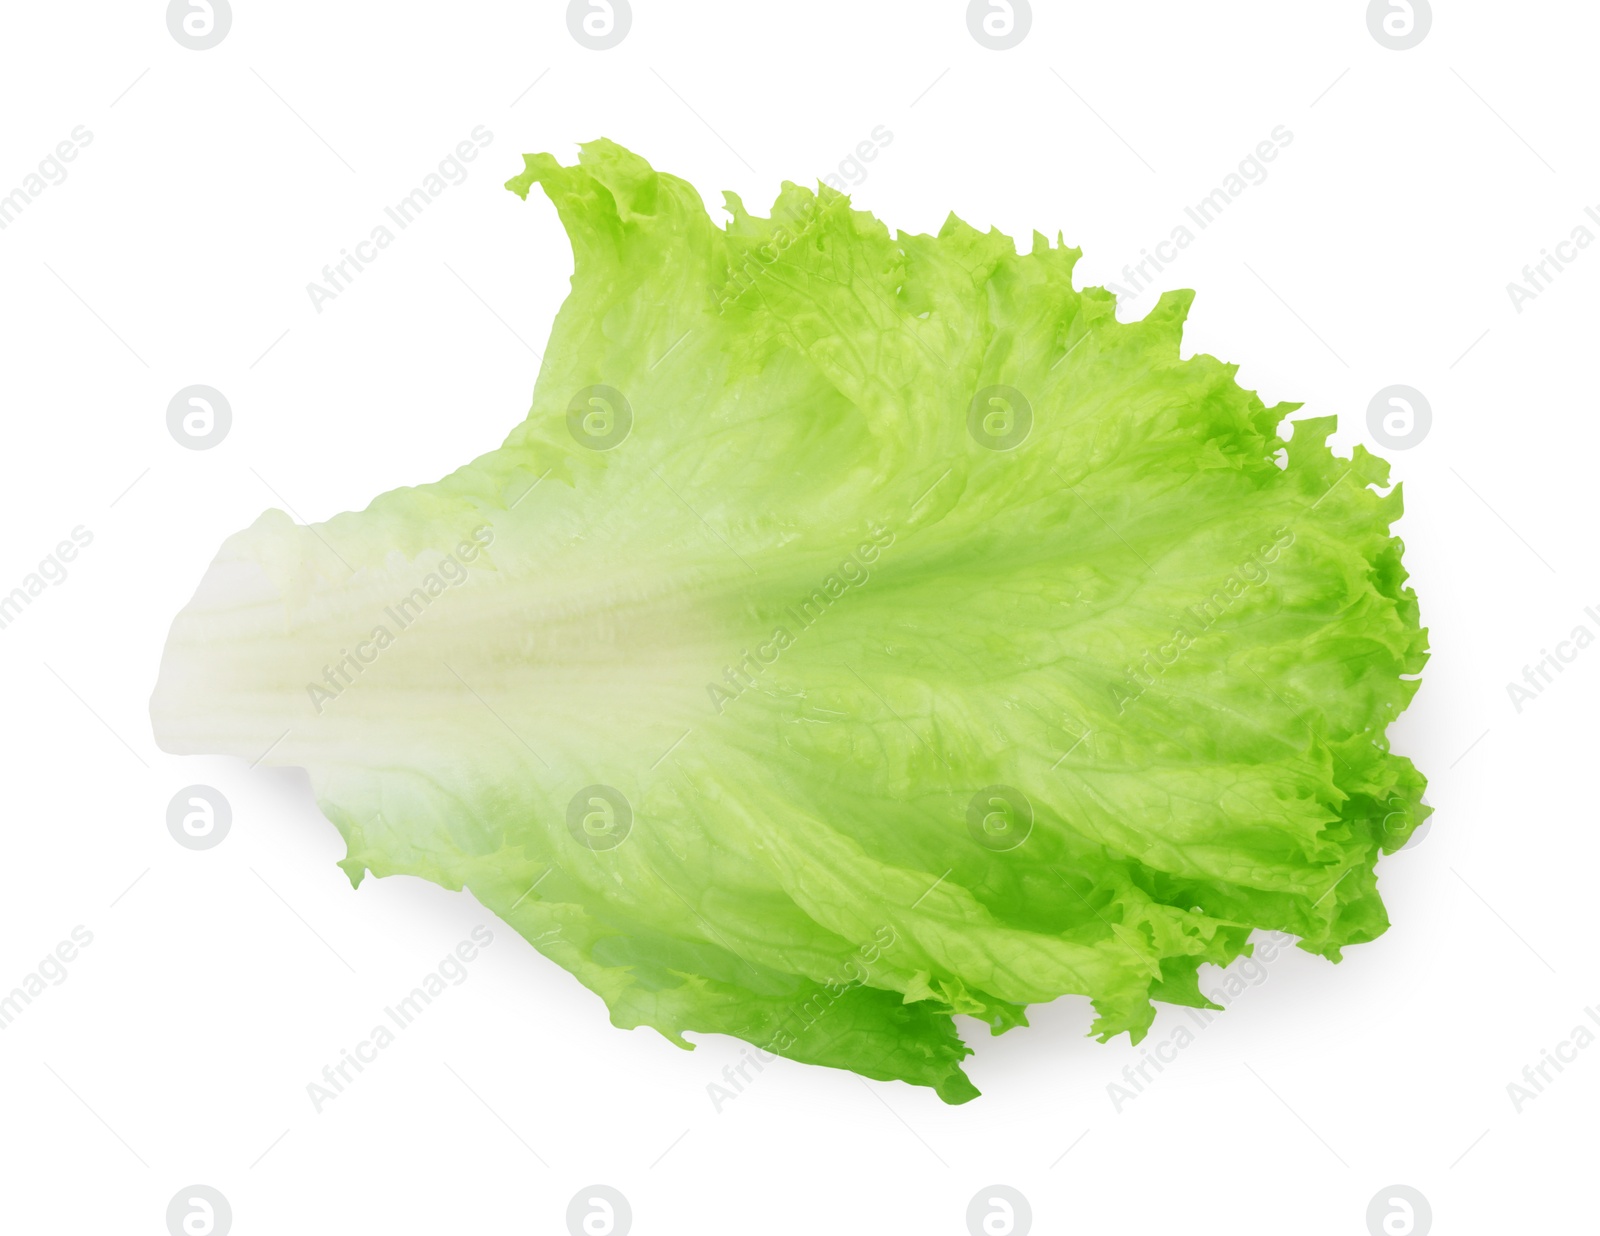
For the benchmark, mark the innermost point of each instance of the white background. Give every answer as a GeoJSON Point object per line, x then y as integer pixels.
{"type": "Point", "coordinates": [218, 183]}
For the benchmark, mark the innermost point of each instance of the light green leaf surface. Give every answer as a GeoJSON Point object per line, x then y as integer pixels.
{"type": "Point", "coordinates": [802, 619]}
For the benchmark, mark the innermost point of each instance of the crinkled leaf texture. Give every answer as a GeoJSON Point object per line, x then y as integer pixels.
{"type": "Point", "coordinates": [894, 724]}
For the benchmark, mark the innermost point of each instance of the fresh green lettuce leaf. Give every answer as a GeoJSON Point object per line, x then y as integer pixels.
{"type": "Point", "coordinates": [861, 629]}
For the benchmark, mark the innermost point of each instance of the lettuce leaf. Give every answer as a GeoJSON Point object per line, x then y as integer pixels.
{"type": "Point", "coordinates": [861, 629]}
